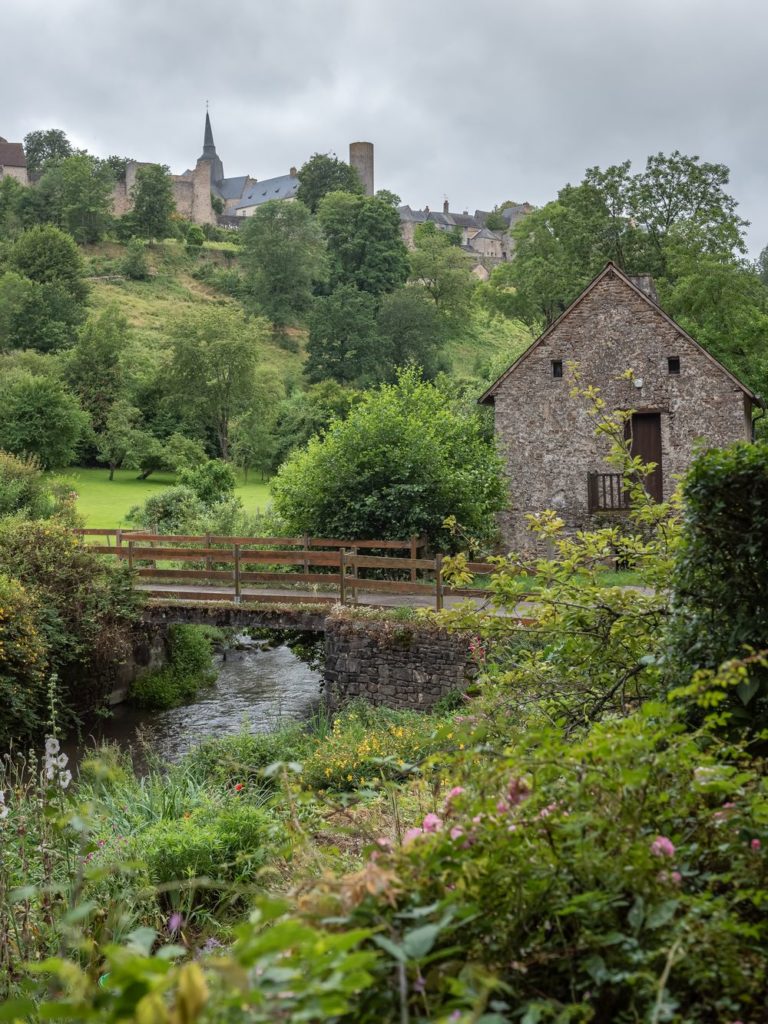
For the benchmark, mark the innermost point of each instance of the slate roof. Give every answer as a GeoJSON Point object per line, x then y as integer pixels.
{"type": "Point", "coordinates": [231, 188]}
{"type": "Point", "coordinates": [285, 186]}
{"type": "Point", "coordinates": [12, 154]}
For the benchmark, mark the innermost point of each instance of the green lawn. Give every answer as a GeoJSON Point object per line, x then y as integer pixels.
{"type": "Point", "coordinates": [105, 502]}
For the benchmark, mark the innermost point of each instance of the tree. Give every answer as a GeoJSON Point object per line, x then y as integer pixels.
{"type": "Point", "coordinates": [12, 193]}
{"type": "Point", "coordinates": [364, 241]}
{"type": "Point", "coordinates": [93, 368]}
{"type": "Point", "coordinates": [118, 439]}
{"type": "Point", "coordinates": [46, 315]}
{"type": "Point", "coordinates": [50, 256]}
{"type": "Point", "coordinates": [305, 413]}
{"type": "Point", "coordinates": [324, 173]}
{"type": "Point", "coordinates": [410, 330]}
{"type": "Point", "coordinates": [212, 370]}
{"type": "Point", "coordinates": [495, 222]}
{"type": "Point", "coordinates": [78, 193]}
{"type": "Point", "coordinates": [444, 272]}
{"type": "Point", "coordinates": [283, 256]}
{"type": "Point", "coordinates": [342, 338]}
{"type": "Point", "coordinates": [153, 202]}
{"type": "Point", "coordinates": [45, 146]}
{"type": "Point", "coordinates": [399, 465]}
{"type": "Point", "coordinates": [39, 417]}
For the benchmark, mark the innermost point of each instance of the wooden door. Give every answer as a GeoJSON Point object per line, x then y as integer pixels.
{"type": "Point", "coordinates": [644, 431]}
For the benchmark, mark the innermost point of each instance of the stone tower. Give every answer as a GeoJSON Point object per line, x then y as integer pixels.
{"type": "Point", "coordinates": [209, 152]}
{"type": "Point", "coordinates": [361, 158]}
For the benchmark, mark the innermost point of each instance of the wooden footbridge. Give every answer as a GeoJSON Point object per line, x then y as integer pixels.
{"type": "Point", "coordinates": [284, 570]}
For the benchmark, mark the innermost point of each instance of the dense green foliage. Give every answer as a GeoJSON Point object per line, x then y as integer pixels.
{"type": "Point", "coordinates": [24, 491]}
{"type": "Point", "coordinates": [189, 668]}
{"type": "Point", "coordinates": [153, 202]}
{"type": "Point", "coordinates": [39, 418]}
{"type": "Point", "coordinates": [324, 173]}
{"type": "Point", "coordinates": [720, 584]}
{"type": "Point", "coordinates": [283, 256]}
{"type": "Point", "coordinates": [399, 465]}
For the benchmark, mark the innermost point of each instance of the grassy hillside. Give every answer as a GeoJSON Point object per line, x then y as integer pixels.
{"type": "Point", "coordinates": [150, 305]}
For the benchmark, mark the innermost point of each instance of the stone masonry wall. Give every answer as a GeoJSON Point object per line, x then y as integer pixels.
{"type": "Point", "coordinates": [397, 664]}
{"type": "Point", "coordinates": [547, 437]}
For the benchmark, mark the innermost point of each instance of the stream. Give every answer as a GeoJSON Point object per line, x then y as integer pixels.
{"type": "Point", "coordinates": [257, 689]}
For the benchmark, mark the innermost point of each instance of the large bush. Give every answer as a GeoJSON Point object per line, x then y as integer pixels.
{"type": "Point", "coordinates": [24, 491]}
{"type": "Point", "coordinates": [399, 465]}
{"type": "Point", "coordinates": [40, 418]}
{"type": "Point", "coordinates": [720, 584]}
{"type": "Point", "coordinates": [23, 658]}
{"type": "Point", "coordinates": [86, 605]}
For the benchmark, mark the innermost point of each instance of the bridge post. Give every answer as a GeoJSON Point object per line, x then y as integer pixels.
{"type": "Point", "coordinates": [236, 553]}
{"type": "Point", "coordinates": [354, 575]}
{"type": "Point", "coordinates": [130, 554]}
{"type": "Point", "coordinates": [306, 553]}
{"type": "Point", "coordinates": [342, 576]}
{"type": "Point", "coordinates": [438, 583]}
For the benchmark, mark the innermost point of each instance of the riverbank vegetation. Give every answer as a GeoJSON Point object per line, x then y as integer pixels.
{"type": "Point", "coordinates": [583, 839]}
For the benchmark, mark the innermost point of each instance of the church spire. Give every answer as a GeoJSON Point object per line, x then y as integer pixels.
{"type": "Point", "coordinates": [209, 148]}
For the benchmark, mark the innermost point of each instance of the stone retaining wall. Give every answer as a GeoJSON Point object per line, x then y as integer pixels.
{"type": "Point", "coordinates": [398, 664]}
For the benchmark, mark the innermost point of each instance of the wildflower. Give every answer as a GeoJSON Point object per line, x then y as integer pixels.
{"type": "Point", "coordinates": [412, 834]}
{"type": "Point", "coordinates": [724, 811]}
{"type": "Point", "coordinates": [65, 778]}
{"type": "Point", "coordinates": [61, 761]}
{"type": "Point", "coordinates": [456, 832]}
{"type": "Point", "coordinates": [238, 787]}
{"type": "Point", "coordinates": [3, 808]}
{"type": "Point", "coordinates": [51, 746]}
{"type": "Point", "coordinates": [670, 877]}
{"type": "Point", "coordinates": [456, 791]}
{"type": "Point", "coordinates": [419, 984]}
{"type": "Point", "coordinates": [432, 823]}
{"type": "Point", "coordinates": [662, 847]}
{"type": "Point", "coordinates": [755, 844]}
{"type": "Point", "coordinates": [175, 922]}
{"type": "Point", "coordinates": [517, 791]}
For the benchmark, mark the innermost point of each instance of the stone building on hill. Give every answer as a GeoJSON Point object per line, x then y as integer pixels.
{"type": "Point", "coordinates": [205, 196]}
{"type": "Point", "coordinates": [13, 162]}
{"type": "Point", "coordinates": [486, 246]}
{"type": "Point", "coordinates": [679, 396]}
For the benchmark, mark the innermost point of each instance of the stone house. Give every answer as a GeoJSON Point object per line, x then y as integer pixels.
{"type": "Point", "coordinates": [680, 396]}
{"type": "Point", "coordinates": [13, 162]}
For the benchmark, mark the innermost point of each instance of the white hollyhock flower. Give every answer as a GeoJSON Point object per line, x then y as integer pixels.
{"type": "Point", "coordinates": [51, 746]}
{"type": "Point", "coordinates": [61, 760]}
{"type": "Point", "coordinates": [65, 778]}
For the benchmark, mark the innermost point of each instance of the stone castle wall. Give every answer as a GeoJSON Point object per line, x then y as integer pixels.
{"type": "Point", "coordinates": [547, 437]}
{"type": "Point", "coordinates": [191, 194]}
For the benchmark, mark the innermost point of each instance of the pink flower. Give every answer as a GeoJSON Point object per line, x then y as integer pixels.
{"type": "Point", "coordinates": [670, 877]}
{"type": "Point", "coordinates": [503, 807]}
{"type": "Point", "coordinates": [517, 791]}
{"type": "Point", "coordinates": [724, 811]}
{"type": "Point", "coordinates": [755, 844]}
{"type": "Point", "coordinates": [546, 811]}
{"type": "Point", "coordinates": [456, 791]}
{"type": "Point", "coordinates": [432, 823]}
{"type": "Point", "coordinates": [662, 847]}
{"type": "Point", "coordinates": [456, 832]}
{"type": "Point", "coordinates": [412, 834]}
{"type": "Point", "coordinates": [384, 843]}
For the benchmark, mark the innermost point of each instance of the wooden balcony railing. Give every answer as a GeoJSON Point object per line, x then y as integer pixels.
{"type": "Point", "coordinates": [607, 493]}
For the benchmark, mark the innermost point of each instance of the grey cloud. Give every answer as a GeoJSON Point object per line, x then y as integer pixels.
{"type": "Point", "coordinates": [481, 101]}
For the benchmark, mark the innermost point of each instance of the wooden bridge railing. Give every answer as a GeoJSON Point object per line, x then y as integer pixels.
{"type": "Point", "coordinates": [226, 566]}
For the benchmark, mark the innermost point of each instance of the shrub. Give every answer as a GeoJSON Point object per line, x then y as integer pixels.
{"type": "Point", "coordinates": [87, 605]}
{"type": "Point", "coordinates": [24, 491]}
{"type": "Point", "coordinates": [212, 481]}
{"type": "Point", "coordinates": [39, 418]}
{"type": "Point", "coordinates": [170, 511]}
{"type": "Point", "coordinates": [367, 744]}
{"type": "Point", "coordinates": [189, 669]}
{"type": "Point", "coordinates": [399, 465]}
{"type": "Point", "coordinates": [23, 660]}
{"type": "Point", "coordinates": [227, 846]}
{"type": "Point", "coordinates": [134, 264]}
{"type": "Point", "coordinates": [194, 237]}
{"type": "Point", "coordinates": [720, 583]}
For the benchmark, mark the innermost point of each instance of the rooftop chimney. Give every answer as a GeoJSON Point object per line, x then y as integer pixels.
{"type": "Point", "coordinates": [292, 172]}
{"type": "Point", "coordinates": [445, 206]}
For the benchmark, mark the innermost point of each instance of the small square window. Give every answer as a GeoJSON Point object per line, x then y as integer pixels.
{"type": "Point", "coordinates": [673, 364]}
{"type": "Point", "coordinates": [557, 367]}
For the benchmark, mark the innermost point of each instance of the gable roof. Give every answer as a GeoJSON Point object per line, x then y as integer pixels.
{"type": "Point", "coordinates": [610, 269]}
{"type": "Point", "coordinates": [285, 186]}
{"type": "Point", "coordinates": [12, 154]}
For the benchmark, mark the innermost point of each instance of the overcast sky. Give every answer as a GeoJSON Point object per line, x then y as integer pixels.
{"type": "Point", "coordinates": [478, 101]}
